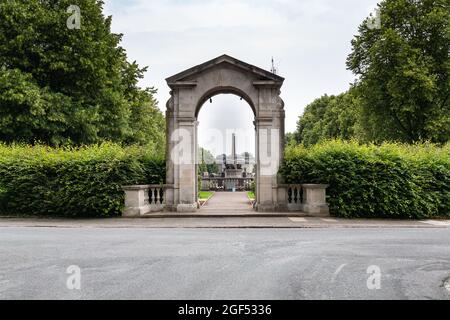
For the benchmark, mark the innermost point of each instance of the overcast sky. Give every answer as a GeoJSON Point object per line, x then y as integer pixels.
{"type": "Point", "coordinates": [309, 40]}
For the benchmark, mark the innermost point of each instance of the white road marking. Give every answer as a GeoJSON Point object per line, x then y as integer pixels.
{"type": "Point", "coordinates": [294, 219]}
{"type": "Point", "coordinates": [338, 270]}
{"type": "Point", "coordinates": [329, 220]}
{"type": "Point", "coordinates": [443, 223]}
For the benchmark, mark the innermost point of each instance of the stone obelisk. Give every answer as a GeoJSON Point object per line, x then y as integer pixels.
{"type": "Point", "coordinates": [233, 150]}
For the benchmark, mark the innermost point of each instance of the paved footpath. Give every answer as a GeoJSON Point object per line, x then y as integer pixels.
{"type": "Point", "coordinates": [222, 222]}
{"type": "Point", "coordinates": [228, 202]}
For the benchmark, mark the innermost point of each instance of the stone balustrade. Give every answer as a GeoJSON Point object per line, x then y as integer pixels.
{"type": "Point", "coordinates": [308, 198]}
{"type": "Point", "coordinates": [143, 199]}
{"type": "Point", "coordinates": [294, 197]}
{"type": "Point", "coordinates": [220, 183]}
{"type": "Point", "coordinates": [315, 199]}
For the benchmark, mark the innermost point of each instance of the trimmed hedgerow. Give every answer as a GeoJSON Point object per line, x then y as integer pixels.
{"type": "Point", "coordinates": [387, 181]}
{"type": "Point", "coordinates": [73, 182]}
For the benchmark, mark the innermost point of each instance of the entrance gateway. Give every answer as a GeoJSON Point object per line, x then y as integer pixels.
{"type": "Point", "coordinates": [190, 90]}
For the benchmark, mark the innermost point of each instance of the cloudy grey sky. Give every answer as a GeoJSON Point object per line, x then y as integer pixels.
{"type": "Point", "coordinates": [309, 40]}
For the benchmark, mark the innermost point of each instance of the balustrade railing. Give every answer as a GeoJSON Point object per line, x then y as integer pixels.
{"type": "Point", "coordinates": [310, 199]}
{"type": "Point", "coordinates": [307, 198]}
{"type": "Point", "coordinates": [294, 197]}
{"type": "Point", "coordinates": [294, 194]}
{"type": "Point", "coordinates": [143, 199]}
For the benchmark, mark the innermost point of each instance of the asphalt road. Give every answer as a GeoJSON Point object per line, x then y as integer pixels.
{"type": "Point", "coordinates": [224, 263]}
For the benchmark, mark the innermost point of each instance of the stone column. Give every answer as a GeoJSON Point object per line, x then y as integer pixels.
{"type": "Point", "coordinates": [280, 192]}
{"type": "Point", "coordinates": [181, 153]}
{"type": "Point", "coordinates": [185, 166]}
{"type": "Point", "coordinates": [268, 164]}
{"type": "Point", "coordinates": [170, 191]}
{"type": "Point", "coordinates": [196, 161]}
{"type": "Point", "coordinates": [270, 147]}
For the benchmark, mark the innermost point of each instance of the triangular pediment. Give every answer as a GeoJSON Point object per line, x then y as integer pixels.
{"type": "Point", "coordinates": [225, 61]}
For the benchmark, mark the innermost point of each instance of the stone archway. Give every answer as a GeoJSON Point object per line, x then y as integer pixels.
{"type": "Point", "coordinates": [189, 90]}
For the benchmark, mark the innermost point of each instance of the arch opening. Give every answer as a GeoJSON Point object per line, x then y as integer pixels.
{"type": "Point", "coordinates": [226, 143]}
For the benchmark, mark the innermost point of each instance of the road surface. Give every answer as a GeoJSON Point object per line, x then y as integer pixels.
{"type": "Point", "coordinates": [135, 263]}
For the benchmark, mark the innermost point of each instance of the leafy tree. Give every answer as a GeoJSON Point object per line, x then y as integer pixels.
{"type": "Point", "coordinates": [61, 85]}
{"type": "Point", "coordinates": [328, 117]}
{"type": "Point", "coordinates": [289, 138]}
{"type": "Point", "coordinates": [207, 162]}
{"type": "Point", "coordinates": [402, 70]}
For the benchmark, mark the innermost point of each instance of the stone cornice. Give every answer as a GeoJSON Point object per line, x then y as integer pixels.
{"type": "Point", "coordinates": [268, 84]}
{"type": "Point", "coordinates": [182, 84]}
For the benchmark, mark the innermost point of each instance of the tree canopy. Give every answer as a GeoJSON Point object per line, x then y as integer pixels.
{"type": "Point", "coordinates": [60, 85]}
{"type": "Point", "coordinates": [402, 68]}
{"type": "Point", "coordinates": [402, 88]}
{"type": "Point", "coordinates": [207, 162]}
{"type": "Point", "coordinates": [329, 117]}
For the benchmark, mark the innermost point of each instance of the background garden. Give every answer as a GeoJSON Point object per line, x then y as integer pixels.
{"type": "Point", "coordinates": [75, 126]}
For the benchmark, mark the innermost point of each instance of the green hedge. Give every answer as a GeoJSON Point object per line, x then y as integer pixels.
{"type": "Point", "coordinates": [391, 180]}
{"type": "Point", "coordinates": [387, 181]}
{"type": "Point", "coordinates": [73, 182]}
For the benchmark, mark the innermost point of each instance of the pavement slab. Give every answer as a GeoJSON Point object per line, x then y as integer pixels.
{"type": "Point", "coordinates": [227, 203]}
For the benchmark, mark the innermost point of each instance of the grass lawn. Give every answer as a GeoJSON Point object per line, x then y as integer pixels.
{"type": "Point", "coordinates": [251, 195]}
{"type": "Point", "coordinates": [204, 195]}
